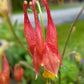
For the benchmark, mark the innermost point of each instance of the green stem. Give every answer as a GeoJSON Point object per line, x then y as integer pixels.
{"type": "Point", "coordinates": [71, 31]}
{"type": "Point", "coordinates": [68, 40]}
{"type": "Point", "coordinates": [11, 27]}
{"type": "Point", "coordinates": [41, 20]}
{"type": "Point", "coordinates": [28, 66]}
{"type": "Point", "coordinates": [59, 73]}
{"type": "Point", "coordinates": [0, 62]}
{"type": "Point", "coordinates": [47, 81]}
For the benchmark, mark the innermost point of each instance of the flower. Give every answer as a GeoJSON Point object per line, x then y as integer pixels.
{"type": "Point", "coordinates": [18, 72]}
{"type": "Point", "coordinates": [5, 75]}
{"type": "Point", "coordinates": [43, 53]}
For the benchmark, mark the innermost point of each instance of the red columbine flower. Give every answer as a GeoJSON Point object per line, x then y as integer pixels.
{"type": "Point", "coordinates": [18, 72]}
{"type": "Point", "coordinates": [46, 53]}
{"type": "Point", "coordinates": [5, 75]}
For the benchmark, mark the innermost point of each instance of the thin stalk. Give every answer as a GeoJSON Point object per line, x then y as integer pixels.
{"type": "Point", "coordinates": [0, 62]}
{"type": "Point", "coordinates": [39, 8]}
{"type": "Point", "coordinates": [71, 31]}
{"type": "Point", "coordinates": [19, 83]}
{"type": "Point", "coordinates": [68, 40]}
{"type": "Point", "coordinates": [59, 75]}
{"type": "Point", "coordinates": [47, 81]}
{"type": "Point", "coordinates": [11, 27]}
{"type": "Point", "coordinates": [28, 66]}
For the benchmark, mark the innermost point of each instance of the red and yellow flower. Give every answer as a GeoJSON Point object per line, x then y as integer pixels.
{"type": "Point", "coordinates": [46, 52]}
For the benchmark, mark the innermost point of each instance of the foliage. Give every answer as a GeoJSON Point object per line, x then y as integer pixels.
{"type": "Point", "coordinates": [15, 53]}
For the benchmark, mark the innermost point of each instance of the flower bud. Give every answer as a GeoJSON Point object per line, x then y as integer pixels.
{"type": "Point", "coordinates": [5, 75]}
{"type": "Point", "coordinates": [18, 72]}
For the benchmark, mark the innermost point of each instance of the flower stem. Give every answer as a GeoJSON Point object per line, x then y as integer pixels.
{"type": "Point", "coordinates": [28, 66]}
{"type": "Point", "coordinates": [11, 27]}
{"type": "Point", "coordinates": [68, 40]}
{"type": "Point", "coordinates": [19, 83]}
{"type": "Point", "coordinates": [39, 8]}
{"type": "Point", "coordinates": [71, 31]}
{"type": "Point", "coordinates": [0, 62]}
{"type": "Point", "coordinates": [47, 81]}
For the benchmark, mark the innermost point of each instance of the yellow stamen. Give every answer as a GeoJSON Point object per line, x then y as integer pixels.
{"type": "Point", "coordinates": [25, 2]}
{"type": "Point", "coordinates": [41, 64]}
{"type": "Point", "coordinates": [30, 3]}
{"type": "Point", "coordinates": [47, 74]}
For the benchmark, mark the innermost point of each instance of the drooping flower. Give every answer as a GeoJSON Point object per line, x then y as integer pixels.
{"type": "Point", "coordinates": [5, 75]}
{"type": "Point", "coordinates": [18, 72]}
{"type": "Point", "coordinates": [45, 53]}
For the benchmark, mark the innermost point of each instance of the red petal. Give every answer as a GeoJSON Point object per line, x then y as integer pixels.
{"type": "Point", "coordinates": [1, 78]}
{"type": "Point", "coordinates": [56, 51]}
{"type": "Point", "coordinates": [59, 57]}
{"type": "Point", "coordinates": [53, 48]}
{"type": "Point", "coordinates": [51, 32]}
{"type": "Point", "coordinates": [28, 29]}
{"type": "Point", "coordinates": [18, 72]}
{"type": "Point", "coordinates": [4, 76]}
{"type": "Point", "coordinates": [6, 69]}
{"type": "Point", "coordinates": [39, 37]}
{"type": "Point", "coordinates": [37, 60]}
{"type": "Point", "coordinates": [50, 60]}
{"type": "Point", "coordinates": [51, 29]}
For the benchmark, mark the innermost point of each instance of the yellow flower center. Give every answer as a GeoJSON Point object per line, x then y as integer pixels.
{"type": "Point", "coordinates": [47, 74]}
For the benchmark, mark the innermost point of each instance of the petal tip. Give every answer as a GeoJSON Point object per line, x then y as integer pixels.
{"type": "Point", "coordinates": [3, 55]}
{"type": "Point", "coordinates": [42, 65]}
{"type": "Point", "coordinates": [56, 76]}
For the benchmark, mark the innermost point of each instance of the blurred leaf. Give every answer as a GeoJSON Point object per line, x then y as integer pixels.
{"type": "Point", "coordinates": [70, 73]}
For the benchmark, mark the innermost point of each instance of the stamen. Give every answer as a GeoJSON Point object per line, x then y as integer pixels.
{"type": "Point", "coordinates": [25, 2]}
{"type": "Point", "coordinates": [30, 3]}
